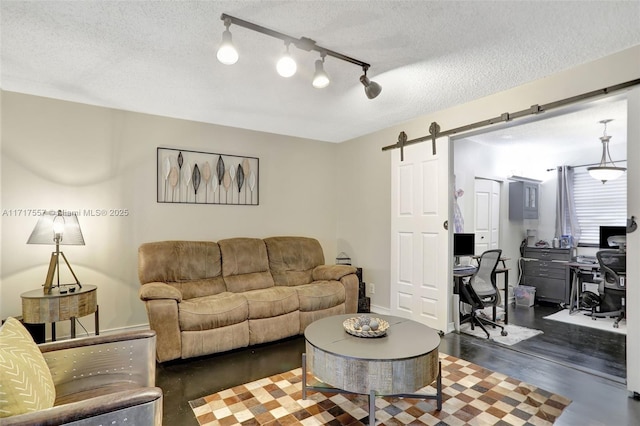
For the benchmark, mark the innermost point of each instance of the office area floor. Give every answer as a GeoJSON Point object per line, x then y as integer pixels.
{"type": "Point", "coordinates": [597, 351]}
{"type": "Point", "coordinates": [550, 361]}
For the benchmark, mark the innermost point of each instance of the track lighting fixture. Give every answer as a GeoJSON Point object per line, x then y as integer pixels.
{"type": "Point", "coordinates": [320, 77]}
{"type": "Point", "coordinates": [371, 88]}
{"type": "Point", "coordinates": [606, 171]}
{"type": "Point", "coordinates": [227, 53]}
{"type": "Point", "coordinates": [286, 66]}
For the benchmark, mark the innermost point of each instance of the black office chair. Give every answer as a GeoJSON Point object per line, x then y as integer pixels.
{"type": "Point", "coordinates": [482, 291]}
{"type": "Point", "coordinates": [613, 290]}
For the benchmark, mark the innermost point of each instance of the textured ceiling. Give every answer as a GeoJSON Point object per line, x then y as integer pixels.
{"type": "Point", "coordinates": [566, 130]}
{"type": "Point", "coordinates": [160, 57]}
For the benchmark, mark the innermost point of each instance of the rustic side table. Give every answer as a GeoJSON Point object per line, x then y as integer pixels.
{"type": "Point", "coordinates": [38, 308]}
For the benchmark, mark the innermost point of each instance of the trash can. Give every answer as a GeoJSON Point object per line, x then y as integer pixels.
{"type": "Point", "coordinates": [525, 295]}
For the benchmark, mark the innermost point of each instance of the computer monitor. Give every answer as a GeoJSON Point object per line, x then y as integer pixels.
{"type": "Point", "coordinates": [463, 245]}
{"type": "Point", "coordinates": [610, 231]}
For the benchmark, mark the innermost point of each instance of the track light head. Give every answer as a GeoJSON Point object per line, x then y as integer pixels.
{"type": "Point", "coordinates": [227, 53]}
{"type": "Point", "coordinates": [286, 65]}
{"type": "Point", "coordinates": [371, 88]}
{"type": "Point", "coordinates": [320, 78]}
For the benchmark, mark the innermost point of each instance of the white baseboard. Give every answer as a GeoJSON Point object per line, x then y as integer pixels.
{"type": "Point", "coordinates": [380, 310]}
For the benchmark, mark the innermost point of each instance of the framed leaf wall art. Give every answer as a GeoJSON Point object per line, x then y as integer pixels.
{"type": "Point", "coordinates": [196, 177]}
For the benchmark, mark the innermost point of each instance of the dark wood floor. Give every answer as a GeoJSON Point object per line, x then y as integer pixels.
{"type": "Point", "coordinates": [583, 364]}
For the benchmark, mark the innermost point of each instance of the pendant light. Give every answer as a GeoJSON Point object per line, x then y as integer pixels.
{"type": "Point", "coordinates": [606, 170]}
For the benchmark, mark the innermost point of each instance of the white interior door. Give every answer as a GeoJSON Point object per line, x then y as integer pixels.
{"type": "Point", "coordinates": [487, 215]}
{"type": "Point", "coordinates": [420, 257]}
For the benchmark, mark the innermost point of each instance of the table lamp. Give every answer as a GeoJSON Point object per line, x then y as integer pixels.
{"type": "Point", "coordinates": [60, 229]}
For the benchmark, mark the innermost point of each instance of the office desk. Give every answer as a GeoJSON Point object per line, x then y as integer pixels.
{"type": "Point", "coordinates": [458, 277]}
{"type": "Point", "coordinates": [575, 268]}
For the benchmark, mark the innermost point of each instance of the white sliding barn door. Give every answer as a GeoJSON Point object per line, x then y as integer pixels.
{"type": "Point", "coordinates": [487, 215]}
{"type": "Point", "coordinates": [420, 256]}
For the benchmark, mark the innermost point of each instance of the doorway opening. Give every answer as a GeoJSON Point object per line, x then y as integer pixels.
{"type": "Point", "coordinates": [533, 149]}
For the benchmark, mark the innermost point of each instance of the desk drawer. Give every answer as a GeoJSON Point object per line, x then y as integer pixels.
{"type": "Point", "coordinates": [545, 269]}
{"type": "Point", "coordinates": [547, 254]}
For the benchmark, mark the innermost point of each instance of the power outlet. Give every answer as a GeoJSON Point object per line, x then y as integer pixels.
{"type": "Point", "coordinates": [372, 288]}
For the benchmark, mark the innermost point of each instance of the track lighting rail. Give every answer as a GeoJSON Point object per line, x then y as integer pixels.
{"type": "Point", "coordinates": [303, 43]}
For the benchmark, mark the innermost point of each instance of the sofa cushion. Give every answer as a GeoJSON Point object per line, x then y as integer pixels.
{"type": "Point", "coordinates": [194, 265]}
{"type": "Point", "coordinates": [173, 261]}
{"type": "Point", "coordinates": [320, 295]}
{"type": "Point", "coordinates": [215, 311]}
{"type": "Point", "coordinates": [245, 265]}
{"type": "Point", "coordinates": [292, 259]}
{"type": "Point", "coordinates": [200, 288]}
{"type": "Point", "coordinates": [271, 302]}
{"type": "Point", "coordinates": [26, 384]}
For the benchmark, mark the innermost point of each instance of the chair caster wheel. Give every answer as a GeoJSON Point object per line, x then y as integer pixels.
{"type": "Point", "coordinates": [503, 333]}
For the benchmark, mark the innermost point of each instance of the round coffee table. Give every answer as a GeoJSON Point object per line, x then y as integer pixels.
{"type": "Point", "coordinates": [397, 364]}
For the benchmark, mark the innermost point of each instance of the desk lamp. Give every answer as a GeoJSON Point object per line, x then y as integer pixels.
{"type": "Point", "coordinates": [60, 229]}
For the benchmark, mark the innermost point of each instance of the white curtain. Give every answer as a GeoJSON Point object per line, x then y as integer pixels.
{"type": "Point", "coordinates": [566, 218]}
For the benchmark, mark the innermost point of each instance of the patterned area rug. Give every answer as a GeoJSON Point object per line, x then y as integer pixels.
{"type": "Point", "coordinates": [472, 395]}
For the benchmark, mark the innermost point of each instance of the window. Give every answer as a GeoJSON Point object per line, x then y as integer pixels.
{"type": "Point", "coordinates": [599, 204]}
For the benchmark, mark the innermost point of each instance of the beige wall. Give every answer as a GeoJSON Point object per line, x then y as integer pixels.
{"type": "Point", "coordinates": [63, 155]}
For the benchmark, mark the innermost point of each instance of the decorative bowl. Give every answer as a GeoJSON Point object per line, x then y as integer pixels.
{"type": "Point", "coordinates": [352, 326]}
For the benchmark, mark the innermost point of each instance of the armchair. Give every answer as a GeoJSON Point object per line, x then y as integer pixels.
{"type": "Point", "coordinates": [613, 290]}
{"type": "Point", "coordinates": [98, 380]}
{"type": "Point", "coordinates": [482, 291]}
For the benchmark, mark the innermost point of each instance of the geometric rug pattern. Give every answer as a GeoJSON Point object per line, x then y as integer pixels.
{"type": "Point", "coordinates": [471, 395]}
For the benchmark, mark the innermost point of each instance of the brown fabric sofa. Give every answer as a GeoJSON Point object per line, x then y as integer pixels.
{"type": "Point", "coordinates": [205, 297]}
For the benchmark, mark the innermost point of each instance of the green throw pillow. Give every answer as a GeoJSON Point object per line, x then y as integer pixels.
{"type": "Point", "coordinates": [25, 380]}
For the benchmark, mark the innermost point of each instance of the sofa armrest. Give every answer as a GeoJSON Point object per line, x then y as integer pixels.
{"type": "Point", "coordinates": [141, 406]}
{"type": "Point", "coordinates": [164, 320]}
{"type": "Point", "coordinates": [80, 364]}
{"type": "Point", "coordinates": [332, 272]}
{"type": "Point", "coordinates": [158, 290]}
{"type": "Point", "coordinates": [351, 287]}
